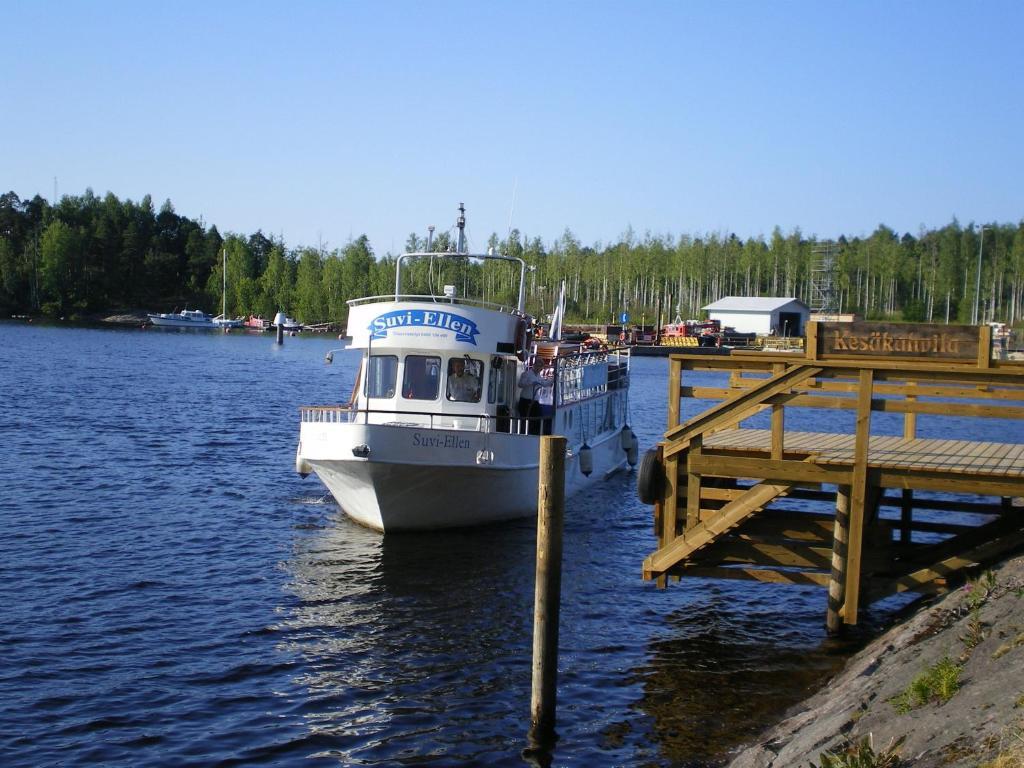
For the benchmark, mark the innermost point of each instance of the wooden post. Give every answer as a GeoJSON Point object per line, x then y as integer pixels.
{"type": "Point", "coordinates": [670, 508]}
{"type": "Point", "coordinates": [985, 346]}
{"type": "Point", "coordinates": [693, 483]}
{"type": "Point", "coordinates": [910, 418]}
{"type": "Point", "coordinates": [837, 581]}
{"type": "Point", "coordinates": [906, 515]}
{"type": "Point", "coordinates": [811, 341]}
{"type": "Point", "coordinates": [778, 421]}
{"type": "Point", "coordinates": [858, 495]}
{"type": "Point", "coordinates": [675, 381]}
{"type": "Point", "coordinates": [547, 593]}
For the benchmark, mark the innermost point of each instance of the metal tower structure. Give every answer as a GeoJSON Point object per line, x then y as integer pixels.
{"type": "Point", "coordinates": [824, 298]}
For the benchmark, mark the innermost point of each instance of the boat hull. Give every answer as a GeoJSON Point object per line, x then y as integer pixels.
{"type": "Point", "coordinates": [177, 322]}
{"type": "Point", "coordinates": [434, 479]}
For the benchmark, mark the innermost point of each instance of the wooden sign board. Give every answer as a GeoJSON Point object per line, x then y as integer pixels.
{"type": "Point", "coordinates": [919, 341]}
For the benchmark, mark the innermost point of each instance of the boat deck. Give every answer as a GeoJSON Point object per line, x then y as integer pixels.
{"type": "Point", "coordinates": [884, 452]}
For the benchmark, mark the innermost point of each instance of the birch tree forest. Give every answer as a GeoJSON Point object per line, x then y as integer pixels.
{"type": "Point", "coordinates": [89, 255]}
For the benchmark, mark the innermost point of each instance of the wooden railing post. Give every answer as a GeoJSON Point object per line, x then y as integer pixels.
{"type": "Point", "coordinates": [811, 342]}
{"type": "Point", "coordinates": [675, 381]}
{"type": "Point", "coordinates": [778, 421]}
{"type": "Point", "coordinates": [910, 417]}
{"type": "Point", "coordinates": [985, 346]}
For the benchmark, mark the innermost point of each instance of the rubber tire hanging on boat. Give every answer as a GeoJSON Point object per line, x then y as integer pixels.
{"type": "Point", "coordinates": [650, 478]}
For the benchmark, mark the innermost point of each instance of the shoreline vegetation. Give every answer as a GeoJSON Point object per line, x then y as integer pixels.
{"type": "Point", "coordinates": [87, 256]}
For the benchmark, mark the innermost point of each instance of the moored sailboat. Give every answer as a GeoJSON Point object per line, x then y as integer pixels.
{"type": "Point", "coordinates": [222, 320]}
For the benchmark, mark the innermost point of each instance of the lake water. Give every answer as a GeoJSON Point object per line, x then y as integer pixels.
{"type": "Point", "coordinates": [172, 593]}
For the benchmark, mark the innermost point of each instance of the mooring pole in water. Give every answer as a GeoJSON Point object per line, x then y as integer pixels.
{"type": "Point", "coordinates": [279, 319]}
{"type": "Point", "coordinates": [547, 594]}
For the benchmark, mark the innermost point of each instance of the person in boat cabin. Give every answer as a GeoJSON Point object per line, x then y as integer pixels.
{"type": "Point", "coordinates": [463, 386]}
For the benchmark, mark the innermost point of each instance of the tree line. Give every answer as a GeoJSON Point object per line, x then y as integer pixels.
{"type": "Point", "coordinates": [88, 255]}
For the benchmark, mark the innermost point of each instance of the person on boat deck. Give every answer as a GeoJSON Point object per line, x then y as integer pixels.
{"type": "Point", "coordinates": [534, 389]}
{"type": "Point", "coordinates": [462, 386]}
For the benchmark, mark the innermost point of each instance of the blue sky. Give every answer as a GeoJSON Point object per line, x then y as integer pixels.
{"type": "Point", "coordinates": [327, 120]}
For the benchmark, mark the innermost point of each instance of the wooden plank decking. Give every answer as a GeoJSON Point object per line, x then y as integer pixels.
{"type": "Point", "coordinates": [884, 452]}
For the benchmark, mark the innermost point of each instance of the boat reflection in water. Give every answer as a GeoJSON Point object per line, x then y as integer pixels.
{"type": "Point", "coordinates": [413, 641]}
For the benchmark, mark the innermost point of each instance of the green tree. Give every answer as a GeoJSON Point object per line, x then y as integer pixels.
{"type": "Point", "coordinates": [309, 299]}
{"type": "Point", "coordinates": [59, 252]}
{"type": "Point", "coordinates": [276, 284]}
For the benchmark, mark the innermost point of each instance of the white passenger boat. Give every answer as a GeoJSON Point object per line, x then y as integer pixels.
{"type": "Point", "coordinates": [435, 435]}
{"type": "Point", "coordinates": [187, 318]}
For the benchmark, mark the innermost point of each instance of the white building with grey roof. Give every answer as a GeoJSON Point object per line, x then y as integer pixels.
{"type": "Point", "coordinates": [763, 315]}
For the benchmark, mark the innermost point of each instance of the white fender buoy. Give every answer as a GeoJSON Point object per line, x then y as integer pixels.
{"type": "Point", "coordinates": [586, 460]}
{"type": "Point", "coordinates": [627, 437]}
{"type": "Point", "coordinates": [633, 452]}
{"type": "Point", "coordinates": [300, 464]}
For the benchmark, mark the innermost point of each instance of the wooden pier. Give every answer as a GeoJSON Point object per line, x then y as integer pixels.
{"type": "Point", "coordinates": [854, 512]}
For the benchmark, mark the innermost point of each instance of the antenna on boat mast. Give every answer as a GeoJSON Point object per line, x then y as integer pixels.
{"type": "Point", "coordinates": [461, 223]}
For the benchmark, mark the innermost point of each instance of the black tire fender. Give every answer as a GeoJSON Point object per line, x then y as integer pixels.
{"type": "Point", "coordinates": [650, 479]}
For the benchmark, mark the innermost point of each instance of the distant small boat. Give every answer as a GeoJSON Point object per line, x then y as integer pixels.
{"type": "Point", "coordinates": [291, 325]}
{"type": "Point", "coordinates": [228, 322]}
{"type": "Point", "coordinates": [187, 318]}
{"type": "Point", "coordinates": [257, 323]}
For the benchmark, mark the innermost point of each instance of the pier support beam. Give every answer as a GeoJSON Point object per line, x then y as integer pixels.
{"type": "Point", "coordinates": [837, 582]}
{"type": "Point", "coordinates": [858, 496]}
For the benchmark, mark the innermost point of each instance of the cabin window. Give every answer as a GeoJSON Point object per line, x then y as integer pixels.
{"type": "Point", "coordinates": [422, 377]}
{"type": "Point", "coordinates": [464, 379]}
{"type": "Point", "coordinates": [496, 382]}
{"type": "Point", "coordinates": [381, 374]}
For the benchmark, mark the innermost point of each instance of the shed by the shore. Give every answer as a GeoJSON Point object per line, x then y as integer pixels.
{"type": "Point", "coordinates": [761, 314]}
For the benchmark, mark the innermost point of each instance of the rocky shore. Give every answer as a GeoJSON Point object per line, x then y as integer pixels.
{"type": "Point", "coordinates": [944, 688]}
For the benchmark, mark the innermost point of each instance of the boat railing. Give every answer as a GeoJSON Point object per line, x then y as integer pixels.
{"type": "Point", "coordinates": [487, 423]}
{"type": "Point", "coordinates": [590, 373]}
{"type": "Point", "coordinates": [427, 297]}
{"type": "Point", "coordinates": [461, 254]}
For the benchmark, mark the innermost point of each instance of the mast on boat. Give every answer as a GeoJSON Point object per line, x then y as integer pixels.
{"type": "Point", "coordinates": [224, 292]}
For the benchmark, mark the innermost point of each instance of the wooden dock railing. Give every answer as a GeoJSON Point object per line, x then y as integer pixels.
{"type": "Point", "coordinates": [817, 507]}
